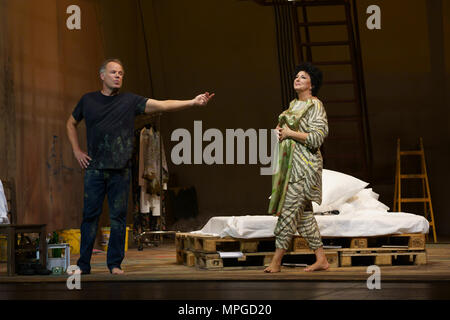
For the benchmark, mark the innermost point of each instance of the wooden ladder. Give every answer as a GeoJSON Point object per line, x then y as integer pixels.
{"type": "Point", "coordinates": [343, 149]}
{"type": "Point", "coordinates": [348, 147]}
{"type": "Point", "coordinates": [423, 176]}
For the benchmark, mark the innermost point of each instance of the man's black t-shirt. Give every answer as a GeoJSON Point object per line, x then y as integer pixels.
{"type": "Point", "coordinates": [110, 127]}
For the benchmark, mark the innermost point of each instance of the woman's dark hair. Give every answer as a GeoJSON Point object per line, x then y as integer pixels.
{"type": "Point", "coordinates": [314, 73]}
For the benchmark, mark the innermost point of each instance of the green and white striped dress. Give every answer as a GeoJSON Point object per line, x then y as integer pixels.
{"type": "Point", "coordinates": [300, 161]}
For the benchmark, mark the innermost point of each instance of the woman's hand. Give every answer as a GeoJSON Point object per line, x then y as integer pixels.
{"type": "Point", "coordinates": [284, 133]}
{"type": "Point", "coordinates": [277, 130]}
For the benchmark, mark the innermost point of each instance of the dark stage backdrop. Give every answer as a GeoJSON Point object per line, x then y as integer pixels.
{"type": "Point", "coordinates": [222, 46]}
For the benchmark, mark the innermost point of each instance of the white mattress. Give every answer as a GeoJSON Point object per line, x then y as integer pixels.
{"type": "Point", "coordinates": [362, 224]}
{"type": "Point", "coordinates": [361, 216]}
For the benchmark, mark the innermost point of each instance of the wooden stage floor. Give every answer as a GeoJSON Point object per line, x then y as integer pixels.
{"type": "Point", "coordinates": [154, 274]}
{"type": "Point", "coordinates": [159, 263]}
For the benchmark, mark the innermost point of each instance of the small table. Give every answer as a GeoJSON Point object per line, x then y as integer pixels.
{"type": "Point", "coordinates": [11, 231]}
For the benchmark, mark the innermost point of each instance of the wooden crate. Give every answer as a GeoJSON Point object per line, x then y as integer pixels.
{"type": "Point", "coordinates": [203, 243]}
{"type": "Point", "coordinates": [382, 257]}
{"type": "Point", "coordinates": [202, 251]}
{"type": "Point", "coordinates": [256, 260]}
{"type": "Point", "coordinates": [186, 257]}
{"type": "Point", "coordinates": [410, 241]}
{"type": "Point", "coordinates": [211, 244]}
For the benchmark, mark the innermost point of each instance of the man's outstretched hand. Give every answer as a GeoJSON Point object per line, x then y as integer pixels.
{"type": "Point", "coordinates": [203, 99]}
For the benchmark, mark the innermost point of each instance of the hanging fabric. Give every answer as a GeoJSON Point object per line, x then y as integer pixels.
{"type": "Point", "coordinates": [152, 154]}
{"type": "Point", "coordinates": [3, 206]}
{"type": "Point", "coordinates": [149, 171]}
{"type": "Point", "coordinates": [144, 203]}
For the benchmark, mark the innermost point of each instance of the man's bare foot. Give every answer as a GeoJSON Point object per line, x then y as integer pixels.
{"type": "Point", "coordinates": [76, 270]}
{"type": "Point", "coordinates": [272, 268]}
{"type": "Point", "coordinates": [319, 265]}
{"type": "Point", "coordinates": [117, 271]}
{"type": "Point", "coordinates": [72, 272]}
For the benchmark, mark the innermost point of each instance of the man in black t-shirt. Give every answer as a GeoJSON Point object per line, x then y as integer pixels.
{"type": "Point", "coordinates": [109, 116]}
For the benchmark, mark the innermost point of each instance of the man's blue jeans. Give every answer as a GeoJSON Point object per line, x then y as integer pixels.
{"type": "Point", "coordinates": [116, 185]}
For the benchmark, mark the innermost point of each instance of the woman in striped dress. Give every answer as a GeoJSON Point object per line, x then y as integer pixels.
{"type": "Point", "coordinates": [301, 129]}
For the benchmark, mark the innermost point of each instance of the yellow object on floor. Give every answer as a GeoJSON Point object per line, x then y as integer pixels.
{"type": "Point", "coordinates": [72, 237]}
{"type": "Point", "coordinates": [105, 238]}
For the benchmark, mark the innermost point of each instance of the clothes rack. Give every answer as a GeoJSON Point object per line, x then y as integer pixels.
{"type": "Point", "coordinates": [143, 232]}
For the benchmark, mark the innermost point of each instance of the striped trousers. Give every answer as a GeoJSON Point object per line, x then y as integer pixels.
{"type": "Point", "coordinates": [297, 215]}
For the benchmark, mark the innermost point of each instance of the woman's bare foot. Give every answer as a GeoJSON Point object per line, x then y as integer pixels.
{"type": "Point", "coordinates": [319, 265]}
{"type": "Point", "coordinates": [275, 264]}
{"type": "Point", "coordinates": [272, 268]}
{"type": "Point", "coordinates": [117, 271]}
{"type": "Point", "coordinates": [321, 261]}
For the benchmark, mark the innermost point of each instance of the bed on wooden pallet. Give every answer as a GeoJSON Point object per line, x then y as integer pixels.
{"type": "Point", "coordinates": [355, 228]}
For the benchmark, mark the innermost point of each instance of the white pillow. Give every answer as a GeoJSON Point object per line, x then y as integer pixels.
{"type": "Point", "coordinates": [337, 188]}
{"type": "Point", "coordinates": [366, 200]}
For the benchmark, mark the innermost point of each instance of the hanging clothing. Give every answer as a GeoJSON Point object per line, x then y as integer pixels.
{"type": "Point", "coordinates": [155, 204]}
{"type": "Point", "coordinates": [144, 203]}
{"type": "Point", "coordinates": [152, 155]}
{"type": "Point", "coordinates": [3, 206]}
{"type": "Point", "coordinates": [149, 171]}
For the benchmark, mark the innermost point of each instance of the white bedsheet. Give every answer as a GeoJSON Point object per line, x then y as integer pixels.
{"type": "Point", "coordinates": [361, 216]}
{"type": "Point", "coordinates": [362, 224]}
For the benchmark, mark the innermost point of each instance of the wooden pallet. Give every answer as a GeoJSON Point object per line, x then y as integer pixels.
{"type": "Point", "coordinates": [211, 244]}
{"type": "Point", "coordinates": [410, 241]}
{"type": "Point", "coordinates": [382, 258]}
{"type": "Point", "coordinates": [256, 260]}
{"type": "Point", "coordinates": [186, 257]}
{"type": "Point", "coordinates": [202, 251]}
{"type": "Point", "coordinates": [203, 243]}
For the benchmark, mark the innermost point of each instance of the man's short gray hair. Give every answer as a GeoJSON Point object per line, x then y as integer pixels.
{"type": "Point", "coordinates": [105, 63]}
